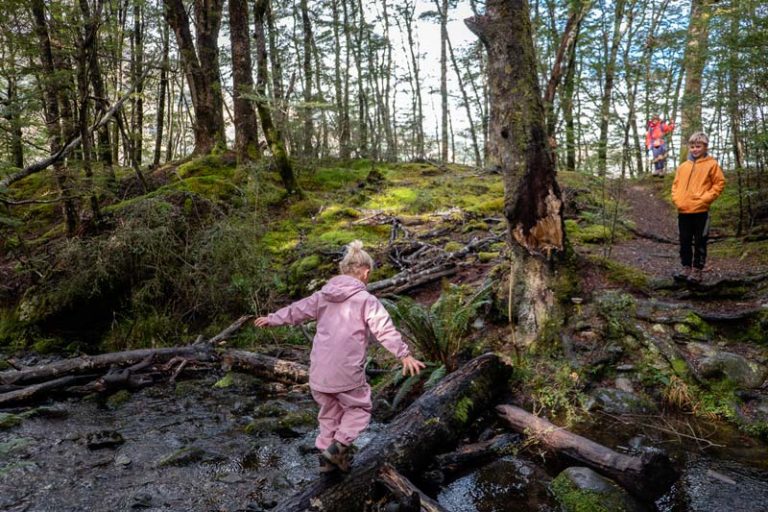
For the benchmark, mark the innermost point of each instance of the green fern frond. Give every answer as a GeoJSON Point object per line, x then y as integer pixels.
{"type": "Point", "coordinates": [435, 377]}
{"type": "Point", "coordinates": [405, 389]}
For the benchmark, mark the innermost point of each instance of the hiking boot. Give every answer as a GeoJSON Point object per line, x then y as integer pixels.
{"type": "Point", "coordinates": [338, 455]}
{"type": "Point", "coordinates": [325, 465]}
{"type": "Point", "coordinates": [697, 275]}
{"type": "Point", "coordinates": [683, 275]}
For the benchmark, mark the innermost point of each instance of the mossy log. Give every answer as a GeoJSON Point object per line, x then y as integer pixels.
{"type": "Point", "coordinates": [404, 489]}
{"type": "Point", "coordinates": [648, 477]}
{"type": "Point", "coordinates": [433, 423]}
{"type": "Point", "coordinates": [35, 391]}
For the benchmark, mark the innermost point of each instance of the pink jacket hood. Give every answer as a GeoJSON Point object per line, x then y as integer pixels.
{"type": "Point", "coordinates": [346, 316]}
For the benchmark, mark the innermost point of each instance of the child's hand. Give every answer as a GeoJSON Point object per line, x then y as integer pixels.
{"type": "Point", "coordinates": [262, 321]}
{"type": "Point", "coordinates": [411, 365]}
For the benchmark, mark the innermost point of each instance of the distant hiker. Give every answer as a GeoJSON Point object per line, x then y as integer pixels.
{"type": "Point", "coordinates": [698, 182]}
{"type": "Point", "coordinates": [654, 140]}
{"type": "Point", "coordinates": [659, 157]}
{"type": "Point", "coordinates": [346, 313]}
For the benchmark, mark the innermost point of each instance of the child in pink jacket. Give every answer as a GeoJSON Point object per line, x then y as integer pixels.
{"type": "Point", "coordinates": [345, 314]}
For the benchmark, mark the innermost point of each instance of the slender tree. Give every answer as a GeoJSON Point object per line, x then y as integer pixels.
{"type": "Point", "coordinates": [518, 146]}
{"type": "Point", "coordinates": [246, 123]}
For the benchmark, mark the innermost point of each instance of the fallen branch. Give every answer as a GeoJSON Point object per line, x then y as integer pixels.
{"type": "Point", "coordinates": [647, 477]}
{"type": "Point", "coordinates": [37, 390]}
{"type": "Point", "coordinates": [404, 489]}
{"type": "Point", "coordinates": [266, 366]}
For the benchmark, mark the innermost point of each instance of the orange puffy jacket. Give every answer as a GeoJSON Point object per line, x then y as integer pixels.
{"type": "Point", "coordinates": [697, 184]}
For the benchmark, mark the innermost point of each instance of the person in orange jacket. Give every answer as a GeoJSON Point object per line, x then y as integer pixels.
{"type": "Point", "coordinates": [698, 182]}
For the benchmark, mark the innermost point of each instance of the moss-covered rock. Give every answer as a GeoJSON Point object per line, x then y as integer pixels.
{"type": "Point", "coordinates": [580, 489]}
{"type": "Point", "coordinates": [8, 420]}
{"type": "Point", "coordinates": [118, 399]}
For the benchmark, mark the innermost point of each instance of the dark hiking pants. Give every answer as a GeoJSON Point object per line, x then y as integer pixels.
{"type": "Point", "coordinates": [694, 232]}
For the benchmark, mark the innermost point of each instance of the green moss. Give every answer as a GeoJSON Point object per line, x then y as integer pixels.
{"type": "Point", "coordinates": [338, 212]}
{"type": "Point", "coordinates": [118, 399]}
{"type": "Point", "coordinates": [334, 178]}
{"type": "Point", "coordinates": [300, 269]}
{"type": "Point", "coordinates": [485, 257]}
{"type": "Point", "coordinates": [224, 382]}
{"type": "Point", "coordinates": [574, 499]}
{"type": "Point", "coordinates": [8, 420]}
{"type": "Point", "coordinates": [453, 247]}
{"type": "Point", "coordinates": [47, 346]}
{"type": "Point", "coordinates": [463, 409]}
{"type": "Point", "coordinates": [623, 274]}
{"type": "Point", "coordinates": [207, 165]}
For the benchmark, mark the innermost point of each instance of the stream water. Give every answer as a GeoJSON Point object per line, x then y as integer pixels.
{"type": "Point", "coordinates": [185, 448]}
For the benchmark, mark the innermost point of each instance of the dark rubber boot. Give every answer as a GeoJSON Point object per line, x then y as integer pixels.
{"type": "Point", "coordinates": [338, 455]}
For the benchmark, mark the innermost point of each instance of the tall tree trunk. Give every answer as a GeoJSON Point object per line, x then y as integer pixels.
{"type": "Point", "coordinates": [341, 87]}
{"type": "Point", "coordinates": [362, 99]}
{"type": "Point", "coordinates": [464, 96]}
{"type": "Point", "coordinates": [518, 146]}
{"type": "Point", "coordinates": [309, 127]}
{"type": "Point", "coordinates": [279, 107]}
{"type": "Point", "coordinates": [693, 62]}
{"type": "Point", "coordinates": [86, 46]}
{"type": "Point", "coordinates": [388, 115]}
{"type": "Point", "coordinates": [13, 116]}
{"type": "Point", "coordinates": [246, 124]}
{"type": "Point", "coordinates": [161, 94]}
{"type": "Point", "coordinates": [443, 80]}
{"type": "Point", "coordinates": [734, 72]}
{"type": "Point", "coordinates": [52, 115]}
{"type": "Point", "coordinates": [610, 75]}
{"type": "Point", "coordinates": [566, 100]}
{"type": "Point", "coordinates": [408, 12]}
{"type": "Point", "coordinates": [272, 133]}
{"type": "Point", "coordinates": [137, 63]}
{"type": "Point", "coordinates": [201, 66]}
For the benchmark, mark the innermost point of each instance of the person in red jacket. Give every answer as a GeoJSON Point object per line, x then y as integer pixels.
{"type": "Point", "coordinates": [654, 138]}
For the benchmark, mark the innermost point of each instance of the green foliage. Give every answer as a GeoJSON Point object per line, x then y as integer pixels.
{"type": "Point", "coordinates": [463, 409]}
{"type": "Point", "coordinates": [440, 331]}
{"type": "Point", "coordinates": [616, 309]}
{"type": "Point", "coordinates": [555, 387]}
{"type": "Point", "coordinates": [405, 388]}
{"type": "Point", "coordinates": [574, 499]}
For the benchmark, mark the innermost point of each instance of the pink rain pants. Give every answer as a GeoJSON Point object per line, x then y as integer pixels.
{"type": "Point", "coordinates": [342, 415]}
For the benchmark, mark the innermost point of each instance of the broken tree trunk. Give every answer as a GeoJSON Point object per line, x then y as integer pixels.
{"type": "Point", "coordinates": [431, 424]}
{"type": "Point", "coordinates": [647, 477]}
{"type": "Point", "coordinates": [404, 489]}
{"type": "Point", "coordinates": [266, 366]}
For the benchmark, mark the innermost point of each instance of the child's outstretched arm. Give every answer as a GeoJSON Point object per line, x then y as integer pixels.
{"type": "Point", "coordinates": [383, 329]}
{"type": "Point", "coordinates": [293, 314]}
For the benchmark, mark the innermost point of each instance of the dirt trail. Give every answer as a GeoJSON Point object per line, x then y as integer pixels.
{"type": "Point", "coordinates": [653, 215]}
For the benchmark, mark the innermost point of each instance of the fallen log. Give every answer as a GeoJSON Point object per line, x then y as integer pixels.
{"type": "Point", "coordinates": [34, 391]}
{"type": "Point", "coordinates": [85, 364]}
{"type": "Point", "coordinates": [476, 452]}
{"type": "Point", "coordinates": [433, 423]}
{"type": "Point", "coordinates": [266, 366]}
{"type": "Point", "coordinates": [648, 477]}
{"type": "Point", "coordinates": [404, 489]}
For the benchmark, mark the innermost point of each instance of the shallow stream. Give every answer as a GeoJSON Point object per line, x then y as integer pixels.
{"type": "Point", "coordinates": [185, 448]}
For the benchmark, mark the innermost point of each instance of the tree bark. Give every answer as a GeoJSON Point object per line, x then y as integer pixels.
{"type": "Point", "coordinates": [265, 366]}
{"type": "Point", "coordinates": [309, 126]}
{"type": "Point", "coordinates": [519, 147]}
{"type": "Point", "coordinates": [693, 63]}
{"type": "Point", "coordinates": [403, 488]}
{"type": "Point", "coordinates": [435, 421]}
{"type": "Point", "coordinates": [647, 477]}
{"type": "Point", "coordinates": [53, 117]}
{"type": "Point", "coordinates": [246, 123]}
{"type": "Point", "coordinates": [271, 132]}
{"type": "Point", "coordinates": [610, 75]}
{"type": "Point", "coordinates": [161, 96]}
{"type": "Point", "coordinates": [443, 81]}
{"type": "Point", "coordinates": [201, 66]}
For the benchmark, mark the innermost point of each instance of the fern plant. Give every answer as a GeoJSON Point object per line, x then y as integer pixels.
{"type": "Point", "coordinates": [440, 331]}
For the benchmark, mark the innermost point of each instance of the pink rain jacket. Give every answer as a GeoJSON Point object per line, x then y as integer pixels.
{"type": "Point", "coordinates": [346, 313]}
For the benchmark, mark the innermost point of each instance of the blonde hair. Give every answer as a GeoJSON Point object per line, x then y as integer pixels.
{"type": "Point", "coordinates": [355, 258]}
{"type": "Point", "coordinates": [699, 138]}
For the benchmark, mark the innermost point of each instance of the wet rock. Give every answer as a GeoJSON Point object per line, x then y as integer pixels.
{"type": "Point", "coordinates": [122, 460]}
{"type": "Point", "coordinates": [189, 455]}
{"type": "Point", "coordinates": [15, 445]}
{"type": "Point", "coordinates": [506, 484]}
{"type": "Point", "coordinates": [738, 369]}
{"type": "Point", "coordinates": [103, 439]}
{"type": "Point", "coordinates": [711, 486]}
{"type": "Point", "coordinates": [624, 384]}
{"type": "Point", "coordinates": [617, 401]}
{"type": "Point", "coordinates": [290, 425]}
{"type": "Point", "coordinates": [579, 489]}
{"type": "Point", "coordinates": [141, 500]}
